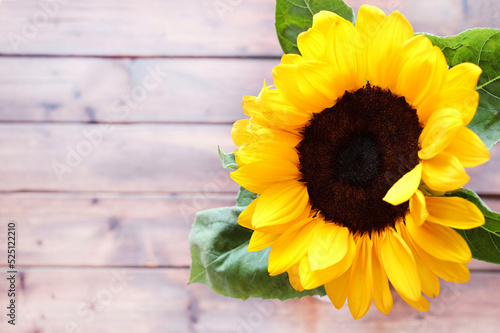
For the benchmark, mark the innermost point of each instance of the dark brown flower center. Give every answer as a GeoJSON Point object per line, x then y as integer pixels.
{"type": "Point", "coordinates": [352, 154]}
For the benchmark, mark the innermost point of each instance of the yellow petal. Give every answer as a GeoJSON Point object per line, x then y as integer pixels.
{"type": "Point", "coordinates": [404, 53]}
{"type": "Point", "coordinates": [394, 31]}
{"type": "Point", "coordinates": [239, 132]}
{"type": "Point", "coordinates": [381, 291]}
{"type": "Point", "coordinates": [280, 203]}
{"type": "Point", "coordinates": [441, 242]}
{"type": "Point", "coordinates": [360, 290]}
{"type": "Point", "coordinates": [454, 212]}
{"type": "Point", "coordinates": [468, 148]}
{"type": "Point", "coordinates": [265, 150]}
{"type": "Point", "coordinates": [444, 173]}
{"type": "Point", "coordinates": [289, 138]}
{"type": "Point", "coordinates": [347, 51]}
{"type": "Point", "coordinates": [250, 107]}
{"type": "Point", "coordinates": [329, 246]}
{"type": "Point", "coordinates": [308, 85]}
{"type": "Point", "coordinates": [312, 279]}
{"type": "Point", "coordinates": [260, 241]}
{"type": "Point", "coordinates": [311, 44]}
{"type": "Point", "coordinates": [291, 246]}
{"type": "Point", "coordinates": [291, 59]}
{"type": "Point", "coordinates": [400, 265]}
{"type": "Point", "coordinates": [369, 20]}
{"type": "Point", "coordinates": [404, 188]}
{"type": "Point", "coordinates": [302, 220]}
{"type": "Point", "coordinates": [463, 100]}
{"type": "Point", "coordinates": [422, 75]}
{"type": "Point", "coordinates": [418, 209]}
{"type": "Point", "coordinates": [428, 279]}
{"type": "Point", "coordinates": [337, 289]}
{"type": "Point", "coordinates": [447, 270]}
{"type": "Point", "coordinates": [440, 130]}
{"type": "Point", "coordinates": [421, 304]}
{"type": "Point", "coordinates": [280, 112]}
{"type": "Point", "coordinates": [258, 176]}
{"type": "Point", "coordinates": [464, 75]}
{"type": "Point", "coordinates": [245, 218]}
{"type": "Point", "coordinates": [323, 21]}
{"type": "Point", "coordinates": [294, 278]}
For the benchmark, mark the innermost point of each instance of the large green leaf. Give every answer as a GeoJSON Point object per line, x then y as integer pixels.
{"type": "Point", "coordinates": [295, 16]}
{"type": "Point", "coordinates": [483, 241]}
{"type": "Point", "coordinates": [481, 47]}
{"type": "Point", "coordinates": [220, 259]}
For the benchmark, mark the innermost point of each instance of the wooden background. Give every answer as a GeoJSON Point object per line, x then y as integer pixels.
{"type": "Point", "coordinates": [156, 84]}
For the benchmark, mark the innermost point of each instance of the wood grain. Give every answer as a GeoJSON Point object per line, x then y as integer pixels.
{"type": "Point", "coordinates": [104, 247]}
{"type": "Point", "coordinates": [163, 28]}
{"type": "Point", "coordinates": [158, 300]}
{"type": "Point", "coordinates": [145, 28]}
{"type": "Point", "coordinates": [126, 158]}
{"type": "Point", "coordinates": [105, 230]}
{"type": "Point", "coordinates": [111, 90]}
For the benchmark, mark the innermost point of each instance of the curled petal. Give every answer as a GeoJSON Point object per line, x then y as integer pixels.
{"type": "Point", "coordinates": [444, 172]}
{"type": "Point", "coordinates": [440, 130]}
{"type": "Point", "coordinates": [329, 246]}
{"type": "Point", "coordinates": [422, 75]}
{"type": "Point", "coordinates": [418, 209]}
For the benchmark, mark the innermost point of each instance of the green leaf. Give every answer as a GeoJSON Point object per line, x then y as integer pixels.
{"type": "Point", "coordinates": [220, 259]}
{"type": "Point", "coordinates": [481, 47]}
{"type": "Point", "coordinates": [227, 160]}
{"type": "Point", "coordinates": [245, 197]}
{"type": "Point", "coordinates": [483, 241]}
{"type": "Point", "coordinates": [295, 16]}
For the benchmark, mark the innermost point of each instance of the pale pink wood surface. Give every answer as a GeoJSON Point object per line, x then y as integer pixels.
{"type": "Point", "coordinates": [125, 210]}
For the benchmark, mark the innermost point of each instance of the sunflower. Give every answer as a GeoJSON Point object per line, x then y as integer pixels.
{"type": "Point", "coordinates": [351, 155]}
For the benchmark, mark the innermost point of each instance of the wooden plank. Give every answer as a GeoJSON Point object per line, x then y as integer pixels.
{"type": "Point", "coordinates": [485, 178]}
{"type": "Point", "coordinates": [112, 90]}
{"type": "Point", "coordinates": [110, 230]}
{"type": "Point", "coordinates": [92, 300]}
{"type": "Point", "coordinates": [158, 300]}
{"type": "Point", "coordinates": [198, 27]}
{"type": "Point", "coordinates": [146, 28]}
{"type": "Point", "coordinates": [123, 158]}
{"type": "Point", "coordinates": [104, 230]}
{"type": "Point", "coordinates": [493, 203]}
